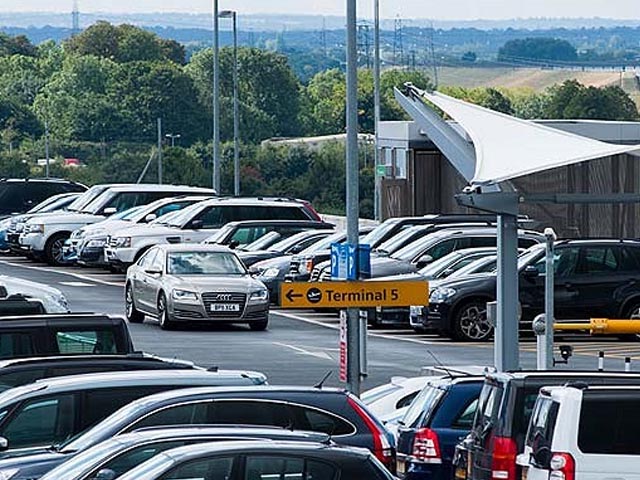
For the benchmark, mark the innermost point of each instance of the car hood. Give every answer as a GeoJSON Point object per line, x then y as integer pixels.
{"type": "Point", "coordinates": [384, 267]}
{"type": "Point", "coordinates": [147, 231]}
{"type": "Point", "coordinates": [279, 262]}
{"type": "Point", "coordinates": [403, 277]}
{"type": "Point", "coordinates": [65, 218]}
{"type": "Point", "coordinates": [39, 462]}
{"type": "Point", "coordinates": [206, 283]}
{"type": "Point", "coordinates": [105, 227]}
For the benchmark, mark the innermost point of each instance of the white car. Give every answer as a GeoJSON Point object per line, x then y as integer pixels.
{"type": "Point", "coordinates": [583, 432]}
{"type": "Point", "coordinates": [198, 222]}
{"type": "Point", "coordinates": [385, 400]}
{"type": "Point", "coordinates": [52, 299]}
{"type": "Point", "coordinates": [87, 243]}
{"type": "Point", "coordinates": [45, 236]}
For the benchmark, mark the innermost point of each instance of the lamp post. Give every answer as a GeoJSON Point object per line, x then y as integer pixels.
{"type": "Point", "coordinates": [173, 137]}
{"type": "Point", "coordinates": [236, 105]}
{"type": "Point", "coordinates": [376, 101]}
{"type": "Point", "coordinates": [216, 97]}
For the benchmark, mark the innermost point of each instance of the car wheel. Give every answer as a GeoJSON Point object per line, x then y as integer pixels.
{"type": "Point", "coordinates": [133, 314]}
{"type": "Point", "coordinates": [166, 323]}
{"type": "Point", "coordinates": [471, 323]}
{"type": "Point", "coordinates": [53, 249]}
{"type": "Point", "coordinates": [259, 325]}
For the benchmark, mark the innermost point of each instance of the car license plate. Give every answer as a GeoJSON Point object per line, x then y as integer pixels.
{"type": "Point", "coordinates": [225, 307]}
{"type": "Point", "coordinates": [400, 467]}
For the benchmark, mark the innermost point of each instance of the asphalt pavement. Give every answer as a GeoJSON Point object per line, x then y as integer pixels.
{"type": "Point", "coordinates": [299, 347]}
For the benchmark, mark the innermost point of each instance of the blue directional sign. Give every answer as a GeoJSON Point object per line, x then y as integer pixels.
{"type": "Point", "coordinates": [349, 262]}
{"type": "Point", "coordinates": [339, 262]}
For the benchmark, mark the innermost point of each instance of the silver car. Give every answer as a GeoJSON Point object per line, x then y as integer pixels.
{"type": "Point", "coordinates": [194, 282]}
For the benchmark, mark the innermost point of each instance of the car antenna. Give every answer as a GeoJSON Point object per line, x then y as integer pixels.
{"type": "Point", "coordinates": [320, 384]}
{"type": "Point", "coordinates": [439, 363]}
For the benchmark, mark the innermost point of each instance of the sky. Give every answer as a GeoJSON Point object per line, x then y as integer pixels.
{"type": "Point", "coordinates": [433, 9]}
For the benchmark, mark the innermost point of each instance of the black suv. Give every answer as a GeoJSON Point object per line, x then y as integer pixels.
{"type": "Point", "coordinates": [502, 418]}
{"type": "Point", "coordinates": [68, 334]}
{"type": "Point", "coordinates": [20, 195]}
{"type": "Point", "coordinates": [593, 279]}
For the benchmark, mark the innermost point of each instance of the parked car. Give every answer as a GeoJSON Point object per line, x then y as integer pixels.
{"type": "Point", "coordinates": [502, 418]}
{"type": "Point", "coordinates": [192, 282]}
{"type": "Point", "coordinates": [68, 334]}
{"type": "Point", "coordinates": [198, 222]}
{"type": "Point", "coordinates": [115, 457]}
{"type": "Point", "coordinates": [80, 203]}
{"type": "Point", "coordinates": [36, 416]}
{"type": "Point", "coordinates": [88, 242]}
{"type": "Point", "coordinates": [45, 237]}
{"type": "Point", "coordinates": [386, 399]}
{"type": "Point", "coordinates": [437, 419]}
{"type": "Point", "coordinates": [51, 204]}
{"type": "Point", "coordinates": [261, 460]}
{"type": "Point", "coordinates": [273, 245]}
{"type": "Point", "coordinates": [593, 278]}
{"type": "Point", "coordinates": [585, 432]}
{"type": "Point", "coordinates": [52, 299]}
{"type": "Point", "coordinates": [20, 371]}
{"type": "Point", "coordinates": [19, 195]}
{"type": "Point", "coordinates": [325, 410]}
{"type": "Point", "coordinates": [239, 234]}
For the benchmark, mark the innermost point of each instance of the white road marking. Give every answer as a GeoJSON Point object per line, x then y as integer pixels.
{"type": "Point", "coordinates": [61, 272]}
{"type": "Point", "coordinates": [302, 351]}
{"type": "Point", "coordinates": [77, 284]}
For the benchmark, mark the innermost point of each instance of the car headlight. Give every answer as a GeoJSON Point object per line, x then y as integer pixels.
{"type": "Point", "coordinates": [8, 473]}
{"type": "Point", "coordinates": [34, 228]}
{"type": "Point", "coordinates": [259, 296]}
{"type": "Point", "coordinates": [441, 294]}
{"type": "Point", "coordinates": [306, 266]}
{"type": "Point", "coordinates": [97, 243]}
{"type": "Point", "coordinates": [122, 242]}
{"type": "Point", "coordinates": [272, 272]}
{"type": "Point", "coordinates": [185, 295]}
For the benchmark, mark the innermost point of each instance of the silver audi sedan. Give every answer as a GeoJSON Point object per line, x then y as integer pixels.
{"type": "Point", "coordinates": [194, 282]}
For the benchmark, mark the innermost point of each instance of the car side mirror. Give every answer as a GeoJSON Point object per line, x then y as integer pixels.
{"type": "Point", "coordinates": [530, 271]}
{"type": "Point", "coordinates": [150, 218]}
{"type": "Point", "coordinates": [4, 444]}
{"type": "Point", "coordinates": [233, 244]}
{"type": "Point", "coordinates": [196, 224]}
{"type": "Point", "coordinates": [153, 271]}
{"type": "Point", "coordinates": [105, 474]}
{"type": "Point", "coordinates": [424, 260]}
{"type": "Point", "coordinates": [110, 211]}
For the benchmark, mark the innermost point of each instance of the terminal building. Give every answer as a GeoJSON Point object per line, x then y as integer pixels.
{"type": "Point", "coordinates": [419, 179]}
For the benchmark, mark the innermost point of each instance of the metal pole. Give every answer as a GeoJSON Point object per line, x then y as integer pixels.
{"type": "Point", "coordinates": [353, 321]}
{"type": "Point", "coordinates": [236, 111]}
{"type": "Point", "coordinates": [46, 147]}
{"type": "Point", "coordinates": [376, 100]}
{"type": "Point", "coordinates": [549, 299]}
{"type": "Point", "coordinates": [159, 151]}
{"type": "Point", "coordinates": [507, 332]}
{"type": "Point", "coordinates": [216, 97]}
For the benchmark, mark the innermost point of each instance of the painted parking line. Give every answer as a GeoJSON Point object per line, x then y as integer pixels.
{"type": "Point", "coordinates": [79, 276]}
{"type": "Point", "coordinates": [78, 284]}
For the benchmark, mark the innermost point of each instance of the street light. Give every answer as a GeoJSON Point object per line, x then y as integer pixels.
{"type": "Point", "coordinates": [173, 137]}
{"type": "Point", "coordinates": [216, 98]}
{"type": "Point", "coordinates": [236, 106]}
{"type": "Point", "coordinates": [376, 100]}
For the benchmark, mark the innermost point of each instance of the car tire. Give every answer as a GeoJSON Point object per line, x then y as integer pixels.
{"type": "Point", "coordinates": [132, 313]}
{"type": "Point", "coordinates": [470, 323]}
{"type": "Point", "coordinates": [166, 322]}
{"type": "Point", "coordinates": [53, 249]}
{"type": "Point", "coordinates": [259, 325]}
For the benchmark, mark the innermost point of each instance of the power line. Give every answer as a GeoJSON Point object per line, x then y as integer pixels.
{"type": "Point", "coordinates": [398, 47]}
{"type": "Point", "coordinates": [364, 45]}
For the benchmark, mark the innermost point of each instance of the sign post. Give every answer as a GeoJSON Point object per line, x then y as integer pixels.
{"type": "Point", "coordinates": [343, 346]}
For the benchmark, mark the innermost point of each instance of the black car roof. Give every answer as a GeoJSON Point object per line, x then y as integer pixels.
{"type": "Point", "coordinates": [64, 318]}
{"type": "Point", "coordinates": [504, 377]}
{"type": "Point", "coordinates": [47, 361]}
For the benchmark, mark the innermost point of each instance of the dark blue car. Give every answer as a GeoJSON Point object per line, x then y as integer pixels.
{"type": "Point", "coordinates": [438, 419]}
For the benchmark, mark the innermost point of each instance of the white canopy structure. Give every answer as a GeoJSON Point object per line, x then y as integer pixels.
{"type": "Point", "coordinates": [507, 147]}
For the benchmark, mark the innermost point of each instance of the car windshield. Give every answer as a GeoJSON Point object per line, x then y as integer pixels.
{"type": "Point", "coordinates": [400, 240]}
{"type": "Point", "coordinates": [78, 464]}
{"type": "Point", "coordinates": [127, 214]}
{"type": "Point", "coordinates": [478, 265]}
{"type": "Point", "coordinates": [183, 216]}
{"type": "Point", "coordinates": [422, 406]}
{"type": "Point", "coordinates": [86, 198]}
{"type": "Point", "coordinates": [166, 218]}
{"type": "Point", "coordinates": [204, 263]}
{"type": "Point", "coordinates": [375, 236]}
{"type": "Point", "coordinates": [325, 243]}
{"type": "Point", "coordinates": [98, 202]}
{"type": "Point", "coordinates": [414, 249]}
{"type": "Point", "coordinates": [264, 242]}
{"type": "Point", "coordinates": [433, 269]}
{"type": "Point", "coordinates": [530, 255]}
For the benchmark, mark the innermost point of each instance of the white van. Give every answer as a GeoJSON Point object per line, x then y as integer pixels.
{"type": "Point", "coordinates": [583, 433]}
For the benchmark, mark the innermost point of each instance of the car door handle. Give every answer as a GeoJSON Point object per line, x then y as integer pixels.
{"type": "Point", "coordinates": [568, 286]}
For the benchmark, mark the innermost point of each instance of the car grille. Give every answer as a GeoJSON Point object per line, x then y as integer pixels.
{"type": "Point", "coordinates": [325, 275]}
{"type": "Point", "coordinates": [187, 313]}
{"type": "Point", "coordinates": [315, 275]}
{"type": "Point", "coordinates": [209, 298]}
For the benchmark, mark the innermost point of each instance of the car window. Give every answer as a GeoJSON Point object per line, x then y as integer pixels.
{"type": "Point", "coordinates": [281, 467]}
{"type": "Point", "coordinates": [147, 258]}
{"type": "Point", "coordinates": [16, 344]}
{"type": "Point", "coordinates": [41, 421]}
{"type": "Point", "coordinates": [422, 406]}
{"type": "Point", "coordinates": [212, 217]}
{"type": "Point", "coordinates": [565, 262]}
{"type": "Point", "coordinates": [598, 260]}
{"type": "Point", "coordinates": [86, 341]}
{"type": "Point", "coordinates": [406, 400]}
{"type": "Point", "coordinates": [629, 259]}
{"type": "Point", "coordinates": [212, 468]}
{"type": "Point", "coordinates": [172, 207]}
{"type": "Point", "coordinates": [609, 423]}
{"type": "Point", "coordinates": [178, 415]}
{"type": "Point", "coordinates": [464, 421]}
{"type": "Point", "coordinates": [21, 377]}
{"type": "Point", "coordinates": [477, 242]}
{"type": "Point", "coordinates": [488, 407]}
{"type": "Point", "coordinates": [246, 235]}
{"type": "Point", "coordinates": [100, 403]}
{"type": "Point", "coordinates": [441, 249]}
{"type": "Point", "coordinates": [12, 199]}
{"type": "Point", "coordinates": [157, 264]}
{"type": "Point", "coordinates": [120, 464]}
{"type": "Point", "coordinates": [543, 422]}
{"type": "Point", "coordinates": [526, 242]}
{"type": "Point", "coordinates": [316, 421]}
{"type": "Point", "coordinates": [247, 412]}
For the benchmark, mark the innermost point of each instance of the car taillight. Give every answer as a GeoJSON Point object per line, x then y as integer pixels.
{"type": "Point", "coordinates": [382, 449]}
{"type": "Point", "coordinates": [563, 467]}
{"type": "Point", "coordinates": [314, 213]}
{"type": "Point", "coordinates": [505, 451]}
{"type": "Point", "coordinates": [426, 446]}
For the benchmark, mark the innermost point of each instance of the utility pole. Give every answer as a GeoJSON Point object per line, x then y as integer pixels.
{"type": "Point", "coordinates": [433, 57]}
{"type": "Point", "coordinates": [46, 147]}
{"type": "Point", "coordinates": [216, 97]}
{"type": "Point", "coordinates": [159, 151]}
{"type": "Point", "coordinates": [323, 37]}
{"type": "Point", "coordinates": [75, 19]}
{"type": "Point", "coordinates": [173, 137]}
{"type": "Point", "coordinates": [376, 109]}
{"type": "Point", "coordinates": [233, 15]}
{"type": "Point", "coordinates": [354, 338]}
{"type": "Point", "coordinates": [398, 46]}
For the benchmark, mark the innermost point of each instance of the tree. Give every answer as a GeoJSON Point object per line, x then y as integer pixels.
{"type": "Point", "coordinates": [485, 97]}
{"type": "Point", "coordinates": [469, 57]}
{"type": "Point", "coordinates": [19, 45]}
{"type": "Point", "coordinates": [523, 49]}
